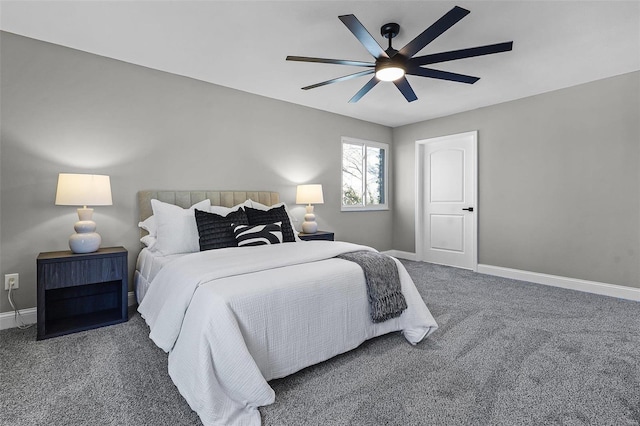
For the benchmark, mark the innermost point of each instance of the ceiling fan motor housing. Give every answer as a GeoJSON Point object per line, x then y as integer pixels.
{"type": "Point", "coordinates": [390, 69]}
{"type": "Point", "coordinates": [394, 67]}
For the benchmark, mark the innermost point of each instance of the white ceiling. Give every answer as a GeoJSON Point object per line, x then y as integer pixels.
{"type": "Point", "coordinates": [243, 45]}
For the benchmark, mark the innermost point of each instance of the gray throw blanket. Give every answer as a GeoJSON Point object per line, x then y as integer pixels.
{"type": "Point", "coordinates": [383, 283]}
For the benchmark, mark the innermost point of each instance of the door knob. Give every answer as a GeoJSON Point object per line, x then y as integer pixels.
{"type": "Point", "coordinates": [470, 209]}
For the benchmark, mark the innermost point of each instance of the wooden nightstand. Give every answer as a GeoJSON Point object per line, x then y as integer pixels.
{"type": "Point", "coordinates": [79, 292]}
{"type": "Point", "coordinates": [320, 235]}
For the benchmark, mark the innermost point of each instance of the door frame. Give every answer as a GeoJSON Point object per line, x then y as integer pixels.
{"type": "Point", "coordinates": [419, 194]}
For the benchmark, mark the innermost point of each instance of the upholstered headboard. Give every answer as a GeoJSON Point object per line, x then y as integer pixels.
{"type": "Point", "coordinates": [186, 199]}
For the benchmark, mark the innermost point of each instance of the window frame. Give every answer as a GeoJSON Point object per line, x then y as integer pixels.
{"type": "Point", "coordinates": [366, 144]}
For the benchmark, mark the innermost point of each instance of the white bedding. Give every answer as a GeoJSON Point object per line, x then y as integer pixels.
{"type": "Point", "coordinates": [232, 319]}
{"type": "Point", "coordinates": [148, 265]}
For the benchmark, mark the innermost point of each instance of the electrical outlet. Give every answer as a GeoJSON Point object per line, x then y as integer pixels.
{"type": "Point", "coordinates": [11, 280]}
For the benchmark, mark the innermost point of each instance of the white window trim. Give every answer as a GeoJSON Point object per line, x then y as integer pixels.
{"type": "Point", "coordinates": [370, 207]}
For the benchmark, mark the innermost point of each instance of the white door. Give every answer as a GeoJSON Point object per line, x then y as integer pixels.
{"type": "Point", "coordinates": [446, 219]}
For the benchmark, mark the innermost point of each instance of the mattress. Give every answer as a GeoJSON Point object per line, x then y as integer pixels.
{"type": "Point", "coordinates": [148, 265]}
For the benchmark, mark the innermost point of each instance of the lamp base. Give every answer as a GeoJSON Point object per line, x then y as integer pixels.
{"type": "Point", "coordinates": [85, 240]}
{"type": "Point", "coordinates": [309, 226]}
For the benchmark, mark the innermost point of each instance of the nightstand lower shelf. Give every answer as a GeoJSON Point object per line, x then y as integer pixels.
{"type": "Point", "coordinates": [61, 326]}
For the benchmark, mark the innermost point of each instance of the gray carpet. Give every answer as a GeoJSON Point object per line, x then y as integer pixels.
{"type": "Point", "coordinates": [506, 353]}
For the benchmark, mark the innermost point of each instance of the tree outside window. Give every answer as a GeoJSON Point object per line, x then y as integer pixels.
{"type": "Point", "coordinates": [364, 175]}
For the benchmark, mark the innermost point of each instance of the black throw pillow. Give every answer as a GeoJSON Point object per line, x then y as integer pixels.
{"type": "Point", "coordinates": [215, 231]}
{"type": "Point", "coordinates": [273, 215]}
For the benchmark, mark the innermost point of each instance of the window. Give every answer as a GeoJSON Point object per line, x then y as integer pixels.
{"type": "Point", "coordinates": [364, 175]}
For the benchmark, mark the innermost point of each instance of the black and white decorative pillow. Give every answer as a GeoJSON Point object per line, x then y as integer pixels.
{"type": "Point", "coordinates": [258, 235]}
{"type": "Point", "coordinates": [273, 215]}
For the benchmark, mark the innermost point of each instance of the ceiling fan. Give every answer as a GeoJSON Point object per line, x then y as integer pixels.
{"type": "Point", "coordinates": [394, 65]}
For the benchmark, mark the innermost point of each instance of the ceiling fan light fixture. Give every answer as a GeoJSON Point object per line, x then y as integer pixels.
{"type": "Point", "coordinates": [389, 72]}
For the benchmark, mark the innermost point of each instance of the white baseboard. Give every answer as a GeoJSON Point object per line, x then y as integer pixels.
{"type": "Point", "coordinates": [30, 315]}
{"type": "Point", "coordinates": [595, 287]}
{"type": "Point", "coordinates": [401, 254]}
{"type": "Point", "coordinates": [131, 299]}
{"type": "Point", "coordinates": [7, 319]}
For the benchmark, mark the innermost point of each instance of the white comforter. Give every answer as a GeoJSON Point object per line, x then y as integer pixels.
{"type": "Point", "coordinates": [232, 319]}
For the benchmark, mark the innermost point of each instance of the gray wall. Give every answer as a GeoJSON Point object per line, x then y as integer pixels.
{"type": "Point", "coordinates": [559, 173]}
{"type": "Point", "coordinates": [68, 111]}
{"type": "Point", "coordinates": [559, 181]}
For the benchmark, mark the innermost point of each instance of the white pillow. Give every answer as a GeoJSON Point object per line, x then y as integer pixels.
{"type": "Point", "coordinates": [223, 211]}
{"type": "Point", "coordinates": [149, 241]}
{"type": "Point", "coordinates": [149, 225]}
{"type": "Point", "coordinates": [177, 231]}
{"type": "Point", "coordinates": [260, 206]}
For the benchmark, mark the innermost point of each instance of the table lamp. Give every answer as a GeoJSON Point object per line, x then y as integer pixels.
{"type": "Point", "coordinates": [309, 194]}
{"type": "Point", "coordinates": [84, 190]}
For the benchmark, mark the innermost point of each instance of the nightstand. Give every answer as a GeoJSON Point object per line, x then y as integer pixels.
{"type": "Point", "coordinates": [320, 235]}
{"type": "Point", "coordinates": [79, 292]}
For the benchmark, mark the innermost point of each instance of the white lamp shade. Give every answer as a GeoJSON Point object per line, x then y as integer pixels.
{"type": "Point", "coordinates": [309, 194]}
{"type": "Point", "coordinates": [83, 190]}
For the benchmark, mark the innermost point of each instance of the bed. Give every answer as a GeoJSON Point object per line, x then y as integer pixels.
{"type": "Point", "coordinates": [233, 318]}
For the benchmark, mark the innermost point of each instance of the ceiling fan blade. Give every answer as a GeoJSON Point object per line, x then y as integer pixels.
{"type": "Point", "coordinates": [336, 80]}
{"type": "Point", "coordinates": [462, 53]}
{"type": "Point", "coordinates": [405, 88]}
{"type": "Point", "coordinates": [363, 36]}
{"type": "Point", "coordinates": [442, 75]}
{"type": "Point", "coordinates": [364, 90]}
{"type": "Point", "coordinates": [433, 32]}
{"type": "Point", "coordinates": [331, 61]}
